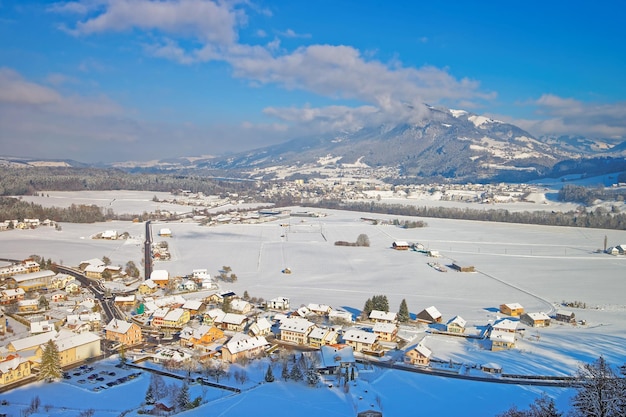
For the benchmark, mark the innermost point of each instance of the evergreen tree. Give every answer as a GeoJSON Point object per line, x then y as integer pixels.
{"type": "Point", "coordinates": [403, 313]}
{"type": "Point", "coordinates": [367, 308]}
{"type": "Point", "coordinates": [182, 399]}
{"type": "Point", "coordinates": [296, 373]}
{"type": "Point", "coordinates": [50, 363]}
{"type": "Point", "coordinates": [269, 375]}
{"type": "Point", "coordinates": [380, 303]}
{"type": "Point", "coordinates": [312, 377]}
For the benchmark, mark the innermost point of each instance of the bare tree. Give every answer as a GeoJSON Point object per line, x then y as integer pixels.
{"type": "Point", "coordinates": [601, 393]}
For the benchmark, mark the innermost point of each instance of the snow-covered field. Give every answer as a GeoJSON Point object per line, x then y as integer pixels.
{"type": "Point", "coordinates": [536, 266]}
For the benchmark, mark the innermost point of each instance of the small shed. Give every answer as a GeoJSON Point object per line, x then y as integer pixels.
{"type": "Point", "coordinates": [492, 368]}
{"type": "Point", "coordinates": [400, 245]}
{"type": "Point", "coordinates": [165, 232]}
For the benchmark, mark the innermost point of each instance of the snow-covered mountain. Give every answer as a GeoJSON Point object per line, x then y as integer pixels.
{"type": "Point", "coordinates": [446, 145]}
{"type": "Point", "coordinates": [450, 145]}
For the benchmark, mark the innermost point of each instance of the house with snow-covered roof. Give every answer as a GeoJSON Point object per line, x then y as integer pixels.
{"type": "Point", "coordinates": [278, 303]}
{"type": "Point", "coordinates": [512, 309]}
{"type": "Point", "coordinates": [123, 332]}
{"type": "Point", "coordinates": [203, 338]}
{"type": "Point", "coordinates": [243, 346]}
{"type": "Point", "coordinates": [261, 327]}
{"type": "Point", "coordinates": [147, 287]}
{"type": "Point", "coordinates": [160, 277]}
{"type": "Point", "coordinates": [14, 368]}
{"type": "Point", "coordinates": [505, 325]}
{"type": "Point", "coordinates": [193, 306]}
{"type": "Point", "coordinates": [176, 318]}
{"type": "Point", "coordinates": [418, 355]}
{"type": "Point", "coordinates": [565, 316]}
{"type": "Point", "coordinates": [386, 332]}
{"type": "Point", "coordinates": [320, 336]}
{"type": "Point", "coordinates": [240, 306]}
{"type": "Point", "coordinates": [295, 330]}
{"type": "Point", "coordinates": [501, 340]}
{"type": "Point", "coordinates": [535, 319]}
{"type": "Point", "coordinates": [11, 296]}
{"type": "Point", "coordinates": [430, 315]}
{"type": "Point", "coordinates": [456, 325]}
{"type": "Point", "coordinates": [361, 340]}
{"type": "Point", "coordinates": [378, 316]}
{"type": "Point", "coordinates": [340, 316]}
{"type": "Point", "coordinates": [319, 309]}
{"type": "Point", "coordinates": [232, 321]}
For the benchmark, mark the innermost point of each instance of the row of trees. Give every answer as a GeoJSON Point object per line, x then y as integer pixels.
{"type": "Point", "coordinates": [598, 219]}
{"type": "Point", "coordinates": [17, 209]}
{"type": "Point", "coordinates": [20, 181]}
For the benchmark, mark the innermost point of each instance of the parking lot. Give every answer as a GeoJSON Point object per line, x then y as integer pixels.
{"type": "Point", "coordinates": [100, 376]}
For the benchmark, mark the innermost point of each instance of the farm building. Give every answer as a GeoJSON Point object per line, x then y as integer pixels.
{"type": "Point", "coordinates": [565, 316]}
{"type": "Point", "coordinates": [462, 268]}
{"type": "Point", "coordinates": [430, 315]}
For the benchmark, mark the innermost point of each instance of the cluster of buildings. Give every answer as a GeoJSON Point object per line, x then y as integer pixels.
{"type": "Point", "coordinates": [25, 224]}
{"type": "Point", "coordinates": [200, 322]}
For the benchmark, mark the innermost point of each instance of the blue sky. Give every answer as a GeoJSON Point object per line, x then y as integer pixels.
{"type": "Point", "coordinates": [115, 80]}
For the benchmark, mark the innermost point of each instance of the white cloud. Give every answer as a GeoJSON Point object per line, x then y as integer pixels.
{"type": "Point", "coordinates": [558, 115]}
{"type": "Point", "coordinates": [207, 21]}
{"type": "Point", "coordinates": [290, 33]}
{"type": "Point", "coordinates": [336, 71]}
{"type": "Point", "coordinates": [17, 91]}
{"type": "Point", "coordinates": [341, 72]}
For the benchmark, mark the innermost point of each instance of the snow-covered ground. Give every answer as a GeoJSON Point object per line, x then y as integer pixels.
{"type": "Point", "coordinates": [396, 393]}
{"type": "Point", "coordinates": [536, 266]}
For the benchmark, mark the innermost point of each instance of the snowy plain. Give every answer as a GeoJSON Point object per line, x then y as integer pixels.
{"type": "Point", "coordinates": [536, 266]}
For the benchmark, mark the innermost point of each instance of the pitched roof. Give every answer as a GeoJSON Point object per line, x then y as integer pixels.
{"type": "Point", "coordinates": [118, 326]}
{"type": "Point", "coordinates": [296, 325]}
{"type": "Point", "coordinates": [458, 320]}
{"type": "Point", "coordinates": [383, 315]}
{"type": "Point", "coordinates": [242, 342]}
{"type": "Point", "coordinates": [384, 328]}
{"type": "Point", "coordinates": [356, 335]}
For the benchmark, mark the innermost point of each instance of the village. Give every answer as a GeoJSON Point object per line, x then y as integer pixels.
{"type": "Point", "coordinates": [183, 322]}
